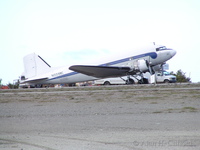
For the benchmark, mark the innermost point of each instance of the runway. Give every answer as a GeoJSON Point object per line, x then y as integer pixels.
{"type": "Point", "coordinates": [101, 118]}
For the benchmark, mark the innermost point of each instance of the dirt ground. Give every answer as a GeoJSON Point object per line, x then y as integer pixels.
{"type": "Point", "coordinates": [129, 117]}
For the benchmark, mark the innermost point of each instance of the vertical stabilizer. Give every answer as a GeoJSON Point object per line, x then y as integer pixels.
{"type": "Point", "coordinates": [34, 65]}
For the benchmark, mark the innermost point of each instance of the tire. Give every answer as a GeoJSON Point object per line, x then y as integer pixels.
{"type": "Point", "coordinates": [144, 81]}
{"type": "Point", "coordinates": [166, 81]}
{"type": "Point", "coordinates": [130, 81]}
{"type": "Point", "coordinates": [106, 83]}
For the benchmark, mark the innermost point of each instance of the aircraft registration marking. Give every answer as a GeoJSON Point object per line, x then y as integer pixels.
{"type": "Point", "coordinates": [57, 74]}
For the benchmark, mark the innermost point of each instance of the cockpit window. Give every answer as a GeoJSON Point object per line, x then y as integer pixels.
{"type": "Point", "coordinates": [161, 48]}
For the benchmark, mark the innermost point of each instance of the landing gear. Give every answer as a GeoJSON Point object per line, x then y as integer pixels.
{"type": "Point", "coordinates": [130, 81]}
{"type": "Point", "coordinates": [140, 78]}
{"type": "Point", "coordinates": [143, 81]}
{"type": "Point", "coordinates": [140, 67]}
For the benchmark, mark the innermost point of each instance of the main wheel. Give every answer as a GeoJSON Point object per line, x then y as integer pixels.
{"type": "Point", "coordinates": [130, 81]}
{"type": "Point", "coordinates": [146, 81]}
{"type": "Point", "coordinates": [143, 81]}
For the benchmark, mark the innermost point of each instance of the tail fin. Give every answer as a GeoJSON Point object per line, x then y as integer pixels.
{"type": "Point", "coordinates": [34, 65]}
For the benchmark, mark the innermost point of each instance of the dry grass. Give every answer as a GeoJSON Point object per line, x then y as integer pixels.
{"type": "Point", "coordinates": [137, 94]}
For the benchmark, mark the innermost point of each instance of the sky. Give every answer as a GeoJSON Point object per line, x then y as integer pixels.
{"type": "Point", "coordinates": [64, 32]}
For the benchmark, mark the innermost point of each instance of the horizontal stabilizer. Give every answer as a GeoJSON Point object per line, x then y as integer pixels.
{"type": "Point", "coordinates": [34, 80]}
{"type": "Point", "coordinates": [101, 71]}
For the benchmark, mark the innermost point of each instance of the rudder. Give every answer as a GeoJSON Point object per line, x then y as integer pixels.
{"type": "Point", "coordinates": [34, 65]}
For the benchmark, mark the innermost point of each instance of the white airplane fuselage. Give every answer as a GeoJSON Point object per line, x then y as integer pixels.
{"type": "Point", "coordinates": [155, 55]}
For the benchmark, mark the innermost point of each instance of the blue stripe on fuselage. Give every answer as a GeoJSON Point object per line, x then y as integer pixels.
{"type": "Point", "coordinates": [153, 55]}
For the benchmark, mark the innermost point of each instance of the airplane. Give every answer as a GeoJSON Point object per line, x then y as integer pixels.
{"type": "Point", "coordinates": [134, 63]}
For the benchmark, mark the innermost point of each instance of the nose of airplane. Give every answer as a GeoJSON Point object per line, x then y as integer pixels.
{"type": "Point", "coordinates": [172, 53]}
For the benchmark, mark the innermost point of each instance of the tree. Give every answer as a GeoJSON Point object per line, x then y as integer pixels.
{"type": "Point", "coordinates": [15, 85]}
{"type": "Point", "coordinates": [180, 76]}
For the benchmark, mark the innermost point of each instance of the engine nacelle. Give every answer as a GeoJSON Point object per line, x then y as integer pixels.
{"type": "Point", "coordinates": [141, 65]}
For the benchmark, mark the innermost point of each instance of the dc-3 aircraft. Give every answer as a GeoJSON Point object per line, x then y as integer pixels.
{"type": "Point", "coordinates": [131, 64]}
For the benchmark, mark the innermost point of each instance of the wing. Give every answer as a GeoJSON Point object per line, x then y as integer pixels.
{"type": "Point", "coordinates": [101, 71]}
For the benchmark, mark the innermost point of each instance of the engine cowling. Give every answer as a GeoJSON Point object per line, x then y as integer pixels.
{"type": "Point", "coordinates": [141, 65]}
